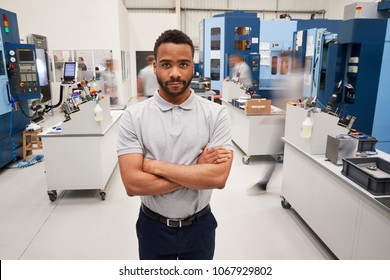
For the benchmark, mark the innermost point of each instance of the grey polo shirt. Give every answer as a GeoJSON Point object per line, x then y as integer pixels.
{"type": "Point", "coordinates": [176, 134]}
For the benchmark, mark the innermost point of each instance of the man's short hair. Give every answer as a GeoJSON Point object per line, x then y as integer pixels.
{"type": "Point", "coordinates": [173, 36]}
{"type": "Point", "coordinates": [236, 55]}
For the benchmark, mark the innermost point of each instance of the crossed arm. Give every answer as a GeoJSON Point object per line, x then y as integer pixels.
{"type": "Point", "coordinates": [144, 176]}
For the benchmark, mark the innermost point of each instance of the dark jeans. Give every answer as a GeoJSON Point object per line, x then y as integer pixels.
{"type": "Point", "coordinates": [157, 241]}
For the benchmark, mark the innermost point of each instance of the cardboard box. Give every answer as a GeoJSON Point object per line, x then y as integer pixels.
{"type": "Point", "coordinates": [258, 106]}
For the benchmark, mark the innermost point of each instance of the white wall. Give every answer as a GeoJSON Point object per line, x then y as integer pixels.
{"type": "Point", "coordinates": [124, 45]}
{"type": "Point", "coordinates": [144, 30]}
{"type": "Point", "coordinates": [76, 25]}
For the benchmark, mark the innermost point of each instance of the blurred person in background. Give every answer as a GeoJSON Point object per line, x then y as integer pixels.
{"type": "Point", "coordinates": [81, 64]}
{"type": "Point", "coordinates": [239, 70]}
{"type": "Point", "coordinates": [146, 81]}
{"type": "Point", "coordinates": [288, 89]}
{"type": "Point", "coordinates": [110, 83]}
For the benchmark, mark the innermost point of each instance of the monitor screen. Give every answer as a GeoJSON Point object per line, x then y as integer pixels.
{"type": "Point", "coordinates": [25, 55]}
{"type": "Point", "coordinates": [70, 69]}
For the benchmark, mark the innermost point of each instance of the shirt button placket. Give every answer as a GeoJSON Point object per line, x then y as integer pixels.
{"type": "Point", "coordinates": [177, 120]}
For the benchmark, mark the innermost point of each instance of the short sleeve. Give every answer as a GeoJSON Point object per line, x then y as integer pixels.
{"type": "Point", "coordinates": [221, 135]}
{"type": "Point", "coordinates": [128, 140]}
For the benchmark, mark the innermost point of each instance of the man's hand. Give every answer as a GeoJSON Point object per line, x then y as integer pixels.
{"type": "Point", "coordinates": [215, 155]}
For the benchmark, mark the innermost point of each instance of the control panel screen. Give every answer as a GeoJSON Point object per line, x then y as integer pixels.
{"type": "Point", "coordinates": [26, 55]}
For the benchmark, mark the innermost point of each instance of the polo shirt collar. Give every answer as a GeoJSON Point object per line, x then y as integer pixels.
{"type": "Point", "coordinates": [166, 106]}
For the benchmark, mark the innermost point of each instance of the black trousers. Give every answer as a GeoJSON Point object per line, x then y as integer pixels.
{"type": "Point", "coordinates": [157, 241]}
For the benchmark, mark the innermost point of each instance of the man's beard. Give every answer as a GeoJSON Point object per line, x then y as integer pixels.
{"type": "Point", "coordinates": [164, 86]}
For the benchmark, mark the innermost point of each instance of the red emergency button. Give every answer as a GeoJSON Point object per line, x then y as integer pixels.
{"type": "Point", "coordinates": [22, 84]}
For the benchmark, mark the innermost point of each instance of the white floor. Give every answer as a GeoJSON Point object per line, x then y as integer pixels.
{"type": "Point", "coordinates": [79, 225]}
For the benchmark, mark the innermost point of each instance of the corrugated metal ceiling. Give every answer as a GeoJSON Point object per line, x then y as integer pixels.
{"type": "Point", "coordinates": [288, 5]}
{"type": "Point", "coordinates": [193, 11]}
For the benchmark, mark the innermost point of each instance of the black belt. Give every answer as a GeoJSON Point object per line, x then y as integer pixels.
{"type": "Point", "coordinates": [174, 222]}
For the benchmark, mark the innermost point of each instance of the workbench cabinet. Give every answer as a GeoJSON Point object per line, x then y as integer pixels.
{"type": "Point", "coordinates": [77, 158]}
{"type": "Point", "coordinates": [257, 134]}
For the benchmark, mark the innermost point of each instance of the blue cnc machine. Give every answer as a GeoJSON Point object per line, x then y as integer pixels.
{"type": "Point", "coordinates": [224, 34]}
{"type": "Point", "coordinates": [275, 54]}
{"type": "Point", "coordinates": [289, 49]}
{"type": "Point", "coordinates": [18, 83]}
{"type": "Point", "coordinates": [362, 69]}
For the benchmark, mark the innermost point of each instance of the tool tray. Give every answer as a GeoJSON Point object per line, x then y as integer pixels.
{"type": "Point", "coordinates": [372, 173]}
{"type": "Point", "coordinates": [366, 143]}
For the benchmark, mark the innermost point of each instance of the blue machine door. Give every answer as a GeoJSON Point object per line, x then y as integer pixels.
{"type": "Point", "coordinates": [319, 52]}
{"type": "Point", "coordinates": [381, 126]}
{"type": "Point", "coordinates": [311, 60]}
{"type": "Point", "coordinates": [5, 107]}
{"type": "Point", "coordinates": [275, 50]}
{"type": "Point", "coordinates": [213, 53]}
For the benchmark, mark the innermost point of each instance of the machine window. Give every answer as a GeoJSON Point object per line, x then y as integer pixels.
{"type": "Point", "coordinates": [215, 38]}
{"type": "Point", "coordinates": [242, 39]}
{"type": "Point", "coordinates": [274, 69]}
{"type": "Point", "coordinates": [284, 61]}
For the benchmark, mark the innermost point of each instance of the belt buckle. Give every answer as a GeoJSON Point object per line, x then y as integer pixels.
{"type": "Point", "coordinates": [174, 220]}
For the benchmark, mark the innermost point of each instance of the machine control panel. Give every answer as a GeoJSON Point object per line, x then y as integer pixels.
{"type": "Point", "coordinates": [22, 71]}
{"type": "Point", "coordinates": [254, 64]}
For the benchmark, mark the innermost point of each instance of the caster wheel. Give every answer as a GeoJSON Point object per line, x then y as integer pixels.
{"type": "Point", "coordinates": [246, 160]}
{"type": "Point", "coordinates": [279, 158]}
{"type": "Point", "coordinates": [285, 204]}
{"type": "Point", "coordinates": [103, 195]}
{"type": "Point", "coordinates": [52, 195]}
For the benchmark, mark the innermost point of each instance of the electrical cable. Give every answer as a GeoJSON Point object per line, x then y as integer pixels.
{"type": "Point", "coordinates": [26, 163]}
{"type": "Point", "coordinates": [21, 109]}
{"type": "Point", "coordinates": [11, 137]}
{"type": "Point", "coordinates": [50, 107]}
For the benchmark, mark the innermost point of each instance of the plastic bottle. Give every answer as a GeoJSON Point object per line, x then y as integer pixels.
{"type": "Point", "coordinates": [98, 111]}
{"type": "Point", "coordinates": [307, 126]}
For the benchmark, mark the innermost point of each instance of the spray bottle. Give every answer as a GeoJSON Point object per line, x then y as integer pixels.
{"type": "Point", "coordinates": [307, 126]}
{"type": "Point", "coordinates": [98, 111]}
